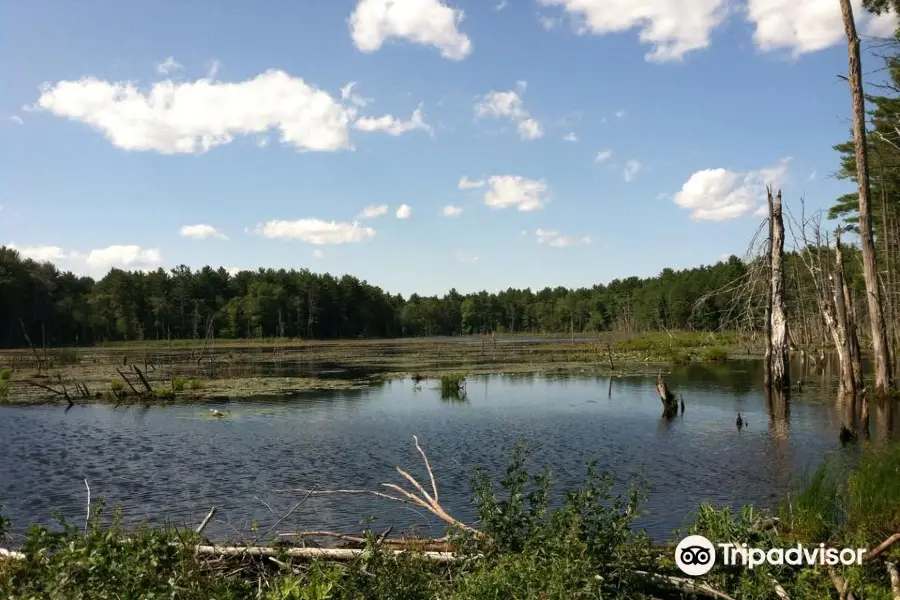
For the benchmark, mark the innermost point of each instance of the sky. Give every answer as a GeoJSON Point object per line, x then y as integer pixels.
{"type": "Point", "coordinates": [420, 145]}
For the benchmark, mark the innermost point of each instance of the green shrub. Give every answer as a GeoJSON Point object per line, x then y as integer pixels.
{"type": "Point", "coordinates": [6, 374]}
{"type": "Point", "coordinates": [195, 384]}
{"type": "Point", "coordinates": [116, 385]}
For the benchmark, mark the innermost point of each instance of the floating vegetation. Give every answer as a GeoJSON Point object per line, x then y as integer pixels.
{"type": "Point", "coordinates": [453, 386]}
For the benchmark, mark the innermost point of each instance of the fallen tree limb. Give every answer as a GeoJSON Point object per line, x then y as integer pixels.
{"type": "Point", "coordinates": [206, 521]}
{"type": "Point", "coordinates": [683, 584]}
{"type": "Point", "coordinates": [326, 553]}
{"type": "Point", "coordinates": [883, 546]}
{"type": "Point", "coordinates": [425, 500]}
{"type": "Point", "coordinates": [895, 579]}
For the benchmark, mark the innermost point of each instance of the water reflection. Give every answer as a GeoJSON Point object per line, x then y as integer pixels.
{"type": "Point", "coordinates": [175, 461]}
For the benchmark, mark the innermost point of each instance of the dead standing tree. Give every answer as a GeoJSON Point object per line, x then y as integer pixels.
{"type": "Point", "coordinates": [881, 351]}
{"type": "Point", "coordinates": [778, 366]}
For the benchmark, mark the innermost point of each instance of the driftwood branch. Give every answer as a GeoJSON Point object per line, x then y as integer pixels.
{"type": "Point", "coordinates": [143, 379]}
{"type": "Point", "coordinates": [425, 501]}
{"type": "Point", "coordinates": [691, 586]}
{"type": "Point", "coordinates": [326, 553]}
{"type": "Point", "coordinates": [883, 546]}
{"type": "Point", "coordinates": [206, 521]}
{"type": "Point", "coordinates": [122, 375]}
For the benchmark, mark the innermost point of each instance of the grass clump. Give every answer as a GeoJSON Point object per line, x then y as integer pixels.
{"type": "Point", "coordinates": [116, 385]}
{"type": "Point", "coordinates": [6, 374]}
{"type": "Point", "coordinates": [195, 384]}
{"type": "Point", "coordinates": [716, 354]}
{"type": "Point", "coordinates": [453, 385]}
{"type": "Point", "coordinates": [178, 384]}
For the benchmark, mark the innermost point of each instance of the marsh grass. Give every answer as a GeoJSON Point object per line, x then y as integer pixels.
{"type": "Point", "coordinates": [4, 389]}
{"type": "Point", "coordinates": [453, 385]}
{"type": "Point", "coordinates": [6, 374]}
{"type": "Point", "coordinates": [116, 385]}
{"type": "Point", "coordinates": [716, 354]}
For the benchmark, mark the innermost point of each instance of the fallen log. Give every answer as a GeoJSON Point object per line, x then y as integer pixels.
{"type": "Point", "coordinates": [326, 553]}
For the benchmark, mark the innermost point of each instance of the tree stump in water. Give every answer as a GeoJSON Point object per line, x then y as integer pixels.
{"type": "Point", "coordinates": [670, 403]}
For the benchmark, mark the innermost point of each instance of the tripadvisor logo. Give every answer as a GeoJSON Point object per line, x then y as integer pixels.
{"type": "Point", "coordinates": [695, 555]}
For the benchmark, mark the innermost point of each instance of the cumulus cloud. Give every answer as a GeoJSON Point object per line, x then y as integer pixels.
{"type": "Point", "coordinates": [603, 156]}
{"type": "Point", "coordinates": [348, 95]}
{"type": "Point", "coordinates": [168, 66]}
{"type": "Point", "coordinates": [201, 232]}
{"type": "Point", "coordinates": [632, 168]}
{"type": "Point", "coordinates": [94, 262]}
{"type": "Point", "coordinates": [558, 240]}
{"type": "Point", "coordinates": [721, 194]}
{"type": "Point", "coordinates": [672, 29]}
{"type": "Point", "coordinates": [514, 190]}
{"type": "Point", "coordinates": [372, 211]}
{"type": "Point", "coordinates": [804, 26]}
{"type": "Point", "coordinates": [451, 211]}
{"type": "Point", "coordinates": [394, 126]}
{"type": "Point", "coordinates": [571, 137]}
{"type": "Point", "coordinates": [192, 117]}
{"type": "Point", "coordinates": [509, 105]}
{"type": "Point", "coordinates": [424, 22]}
{"type": "Point", "coordinates": [404, 212]}
{"type": "Point", "coordinates": [468, 184]}
{"type": "Point", "coordinates": [316, 231]}
{"type": "Point", "coordinates": [464, 257]}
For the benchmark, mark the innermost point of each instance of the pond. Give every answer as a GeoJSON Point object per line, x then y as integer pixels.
{"type": "Point", "coordinates": [174, 462]}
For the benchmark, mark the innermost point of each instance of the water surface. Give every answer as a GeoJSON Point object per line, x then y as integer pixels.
{"type": "Point", "coordinates": [174, 462]}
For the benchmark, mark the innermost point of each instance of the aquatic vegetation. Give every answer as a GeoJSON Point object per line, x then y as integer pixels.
{"type": "Point", "coordinates": [714, 354]}
{"type": "Point", "coordinates": [453, 385]}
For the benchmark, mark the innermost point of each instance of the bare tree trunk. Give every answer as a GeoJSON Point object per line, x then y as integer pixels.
{"type": "Point", "coordinates": [767, 358]}
{"type": "Point", "coordinates": [881, 358]}
{"type": "Point", "coordinates": [849, 382]}
{"type": "Point", "coordinates": [780, 370]}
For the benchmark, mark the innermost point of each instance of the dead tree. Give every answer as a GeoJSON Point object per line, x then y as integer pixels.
{"type": "Point", "coordinates": [880, 347]}
{"type": "Point", "coordinates": [842, 322]}
{"type": "Point", "coordinates": [778, 368]}
{"type": "Point", "coordinates": [669, 402]}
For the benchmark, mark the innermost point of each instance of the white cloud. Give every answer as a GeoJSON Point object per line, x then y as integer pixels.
{"type": "Point", "coordinates": [466, 258]}
{"type": "Point", "coordinates": [549, 23]}
{"type": "Point", "coordinates": [722, 194]}
{"type": "Point", "coordinates": [393, 125]}
{"type": "Point", "coordinates": [43, 253]}
{"type": "Point", "coordinates": [124, 256]}
{"type": "Point", "coordinates": [404, 212]}
{"type": "Point", "coordinates": [620, 114]}
{"type": "Point", "coordinates": [192, 117]}
{"type": "Point", "coordinates": [804, 26]}
{"type": "Point", "coordinates": [571, 137]}
{"type": "Point", "coordinates": [17, 119]}
{"type": "Point", "coordinates": [424, 22]}
{"type": "Point", "coordinates": [318, 253]}
{"type": "Point", "coordinates": [168, 66]}
{"type": "Point", "coordinates": [262, 141]}
{"type": "Point", "coordinates": [95, 262]}
{"type": "Point", "coordinates": [372, 211]}
{"type": "Point", "coordinates": [811, 176]}
{"type": "Point", "coordinates": [557, 240]}
{"type": "Point", "coordinates": [513, 190]}
{"type": "Point", "coordinates": [672, 28]}
{"type": "Point", "coordinates": [200, 232]}
{"type": "Point", "coordinates": [214, 66]}
{"type": "Point", "coordinates": [503, 4]}
{"type": "Point", "coordinates": [632, 168]}
{"type": "Point", "coordinates": [316, 231]}
{"type": "Point", "coordinates": [467, 184]}
{"type": "Point", "coordinates": [603, 156]}
{"type": "Point", "coordinates": [509, 105]}
{"type": "Point", "coordinates": [451, 211]}
{"type": "Point", "coordinates": [348, 95]}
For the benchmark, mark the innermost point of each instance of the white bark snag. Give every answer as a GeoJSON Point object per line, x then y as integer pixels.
{"type": "Point", "coordinates": [881, 350]}
{"type": "Point", "coordinates": [778, 355]}
{"type": "Point", "coordinates": [843, 325]}
{"type": "Point", "coordinates": [767, 358]}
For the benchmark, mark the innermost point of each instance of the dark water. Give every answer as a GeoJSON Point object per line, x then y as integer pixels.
{"type": "Point", "coordinates": [175, 462]}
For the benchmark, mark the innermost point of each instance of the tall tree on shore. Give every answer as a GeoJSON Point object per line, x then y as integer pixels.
{"type": "Point", "coordinates": [881, 350]}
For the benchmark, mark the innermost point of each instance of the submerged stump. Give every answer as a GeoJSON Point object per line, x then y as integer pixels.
{"type": "Point", "coordinates": [669, 402]}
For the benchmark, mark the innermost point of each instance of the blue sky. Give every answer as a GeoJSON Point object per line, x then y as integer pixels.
{"type": "Point", "coordinates": [598, 138]}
